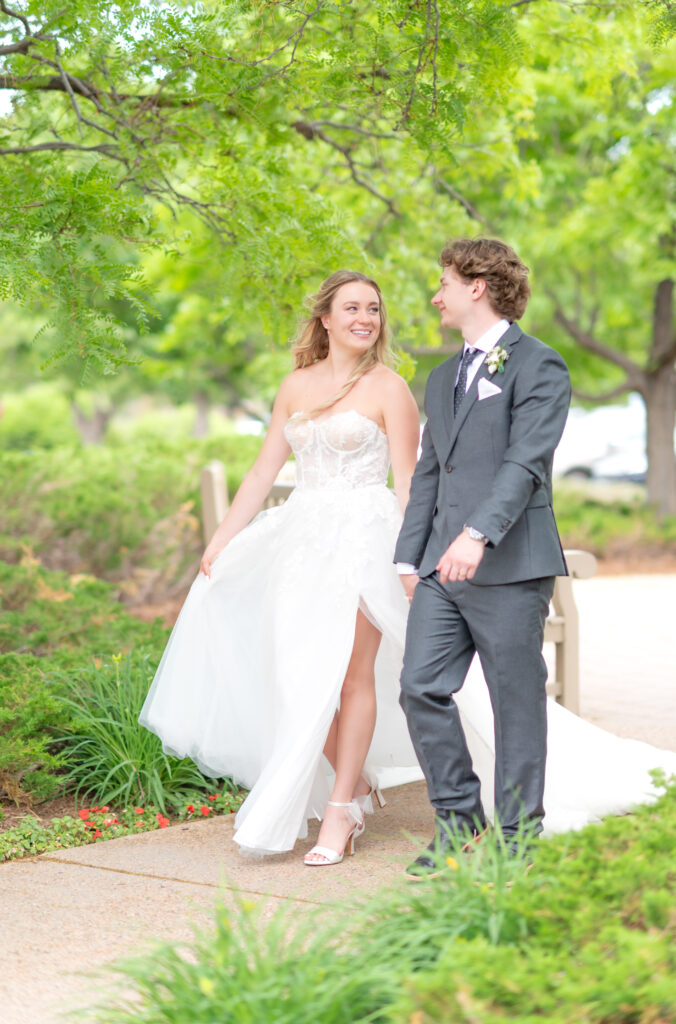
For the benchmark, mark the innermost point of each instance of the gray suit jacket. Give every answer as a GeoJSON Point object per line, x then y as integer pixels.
{"type": "Point", "coordinates": [491, 466]}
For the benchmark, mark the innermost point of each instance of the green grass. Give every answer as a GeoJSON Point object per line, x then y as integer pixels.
{"type": "Point", "coordinates": [112, 759]}
{"type": "Point", "coordinates": [586, 937]}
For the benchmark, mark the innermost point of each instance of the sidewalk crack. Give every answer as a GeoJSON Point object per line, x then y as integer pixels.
{"type": "Point", "coordinates": [183, 881]}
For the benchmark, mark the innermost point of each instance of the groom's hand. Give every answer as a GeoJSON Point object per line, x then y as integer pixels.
{"type": "Point", "coordinates": [461, 560]}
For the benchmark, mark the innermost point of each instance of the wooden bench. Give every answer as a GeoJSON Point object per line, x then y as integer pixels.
{"type": "Point", "coordinates": [563, 630]}
{"type": "Point", "coordinates": [561, 627]}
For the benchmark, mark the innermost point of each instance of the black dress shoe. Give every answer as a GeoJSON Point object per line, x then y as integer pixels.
{"type": "Point", "coordinates": [439, 856]}
{"type": "Point", "coordinates": [519, 851]}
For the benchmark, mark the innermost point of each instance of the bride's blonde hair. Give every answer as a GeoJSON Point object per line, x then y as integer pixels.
{"type": "Point", "coordinates": [311, 344]}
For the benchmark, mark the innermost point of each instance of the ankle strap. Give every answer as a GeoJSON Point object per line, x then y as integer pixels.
{"type": "Point", "coordinates": [334, 803]}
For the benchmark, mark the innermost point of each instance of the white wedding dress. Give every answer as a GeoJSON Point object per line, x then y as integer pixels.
{"type": "Point", "coordinates": [251, 676]}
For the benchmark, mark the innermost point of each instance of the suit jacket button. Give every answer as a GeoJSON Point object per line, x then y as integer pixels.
{"type": "Point", "coordinates": [449, 469]}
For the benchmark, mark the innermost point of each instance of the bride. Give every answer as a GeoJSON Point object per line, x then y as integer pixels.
{"type": "Point", "coordinates": [293, 631]}
{"type": "Point", "coordinates": [289, 645]}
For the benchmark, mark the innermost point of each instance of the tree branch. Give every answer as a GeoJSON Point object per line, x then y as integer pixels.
{"type": "Point", "coordinates": [465, 203]}
{"type": "Point", "coordinates": [314, 125]}
{"type": "Point", "coordinates": [297, 35]}
{"type": "Point", "coordinates": [54, 83]}
{"type": "Point", "coordinates": [311, 132]}
{"type": "Point", "coordinates": [107, 150]}
{"type": "Point", "coordinates": [17, 15]}
{"type": "Point", "coordinates": [590, 344]}
{"type": "Point", "coordinates": [30, 37]}
{"type": "Point", "coordinates": [605, 396]}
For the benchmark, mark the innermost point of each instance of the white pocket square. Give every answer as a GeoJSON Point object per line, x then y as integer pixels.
{"type": "Point", "coordinates": [488, 388]}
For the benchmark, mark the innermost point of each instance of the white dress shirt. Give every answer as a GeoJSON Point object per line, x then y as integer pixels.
{"type": "Point", "coordinates": [484, 344]}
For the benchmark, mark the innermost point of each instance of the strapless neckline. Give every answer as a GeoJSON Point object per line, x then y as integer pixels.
{"type": "Point", "coordinates": [335, 415]}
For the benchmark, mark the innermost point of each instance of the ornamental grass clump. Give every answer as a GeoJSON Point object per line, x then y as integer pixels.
{"type": "Point", "coordinates": [111, 758]}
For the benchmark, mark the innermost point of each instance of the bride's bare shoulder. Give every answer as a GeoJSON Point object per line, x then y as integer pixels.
{"type": "Point", "coordinates": [389, 381]}
{"type": "Point", "coordinates": [294, 387]}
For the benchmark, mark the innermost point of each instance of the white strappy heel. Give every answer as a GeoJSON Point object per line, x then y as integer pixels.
{"type": "Point", "coordinates": [332, 856]}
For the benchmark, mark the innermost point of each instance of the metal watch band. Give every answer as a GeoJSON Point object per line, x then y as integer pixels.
{"type": "Point", "coordinates": [475, 534]}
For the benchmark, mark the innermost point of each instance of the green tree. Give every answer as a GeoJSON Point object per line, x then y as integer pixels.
{"type": "Point", "coordinates": [578, 173]}
{"type": "Point", "coordinates": [259, 119]}
{"type": "Point", "coordinates": [603, 216]}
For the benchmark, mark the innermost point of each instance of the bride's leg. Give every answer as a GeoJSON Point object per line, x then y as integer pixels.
{"type": "Point", "coordinates": [354, 727]}
{"type": "Point", "coordinates": [331, 754]}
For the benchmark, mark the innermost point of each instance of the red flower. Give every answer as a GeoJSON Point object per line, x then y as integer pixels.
{"type": "Point", "coordinates": [110, 821]}
{"type": "Point", "coordinates": [139, 824]}
{"type": "Point", "coordinates": [84, 813]}
{"type": "Point", "coordinates": [214, 797]}
{"type": "Point", "coordinates": [205, 810]}
{"type": "Point", "coordinates": [140, 810]}
{"type": "Point", "coordinates": [104, 808]}
{"type": "Point", "coordinates": [96, 835]}
{"type": "Point", "coordinates": [190, 808]}
{"type": "Point", "coordinates": [162, 821]}
{"type": "Point", "coordinates": [95, 809]}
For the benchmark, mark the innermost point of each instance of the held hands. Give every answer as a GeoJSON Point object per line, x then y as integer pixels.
{"type": "Point", "coordinates": [410, 582]}
{"type": "Point", "coordinates": [461, 559]}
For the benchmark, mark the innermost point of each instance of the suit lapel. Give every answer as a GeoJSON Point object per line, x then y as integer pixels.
{"type": "Point", "coordinates": [508, 340]}
{"type": "Point", "coordinates": [448, 388]}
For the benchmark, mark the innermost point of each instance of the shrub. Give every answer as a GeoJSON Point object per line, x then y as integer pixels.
{"type": "Point", "coordinates": [604, 520]}
{"type": "Point", "coordinates": [575, 939]}
{"type": "Point", "coordinates": [74, 671]}
{"type": "Point", "coordinates": [125, 513]}
{"type": "Point", "coordinates": [51, 624]}
{"type": "Point", "coordinates": [40, 417]}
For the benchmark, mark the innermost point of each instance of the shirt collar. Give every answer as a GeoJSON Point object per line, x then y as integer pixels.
{"type": "Point", "coordinates": [491, 337]}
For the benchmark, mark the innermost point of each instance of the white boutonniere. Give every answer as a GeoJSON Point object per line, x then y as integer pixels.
{"type": "Point", "coordinates": [496, 359]}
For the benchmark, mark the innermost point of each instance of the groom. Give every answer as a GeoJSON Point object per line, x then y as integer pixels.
{"type": "Point", "coordinates": [479, 549]}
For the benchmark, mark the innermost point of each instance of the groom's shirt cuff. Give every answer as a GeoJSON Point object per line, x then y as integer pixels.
{"type": "Point", "coordinates": [406, 569]}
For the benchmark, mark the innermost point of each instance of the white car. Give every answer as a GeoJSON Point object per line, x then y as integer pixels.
{"type": "Point", "coordinates": [606, 443]}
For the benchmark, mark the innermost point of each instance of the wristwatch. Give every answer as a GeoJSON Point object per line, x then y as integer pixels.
{"type": "Point", "coordinates": [475, 534]}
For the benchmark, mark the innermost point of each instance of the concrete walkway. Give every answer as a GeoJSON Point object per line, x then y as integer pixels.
{"type": "Point", "coordinates": [66, 915]}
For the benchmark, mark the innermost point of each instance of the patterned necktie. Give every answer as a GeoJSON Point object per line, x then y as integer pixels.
{"type": "Point", "coordinates": [461, 386]}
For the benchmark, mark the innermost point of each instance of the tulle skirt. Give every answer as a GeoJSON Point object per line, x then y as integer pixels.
{"type": "Point", "coordinates": [251, 677]}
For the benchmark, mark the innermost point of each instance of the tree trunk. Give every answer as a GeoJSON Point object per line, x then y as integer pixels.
{"type": "Point", "coordinates": [659, 393]}
{"type": "Point", "coordinates": [660, 403]}
{"type": "Point", "coordinates": [91, 428]}
{"type": "Point", "coordinates": [201, 414]}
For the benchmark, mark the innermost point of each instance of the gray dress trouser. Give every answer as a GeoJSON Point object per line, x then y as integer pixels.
{"type": "Point", "coordinates": [505, 625]}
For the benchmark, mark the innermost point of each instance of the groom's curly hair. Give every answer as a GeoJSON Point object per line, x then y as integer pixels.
{"type": "Point", "coordinates": [495, 263]}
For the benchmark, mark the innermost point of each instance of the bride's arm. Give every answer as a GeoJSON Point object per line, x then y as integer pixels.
{"type": "Point", "coordinates": [402, 426]}
{"type": "Point", "coordinates": [257, 483]}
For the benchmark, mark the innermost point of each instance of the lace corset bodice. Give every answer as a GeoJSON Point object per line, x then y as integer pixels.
{"type": "Point", "coordinates": [343, 451]}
